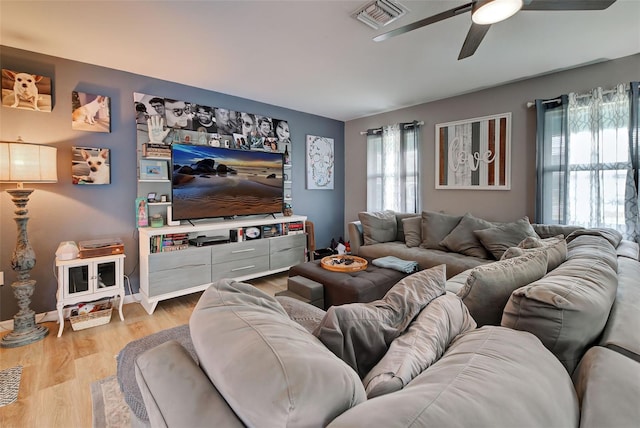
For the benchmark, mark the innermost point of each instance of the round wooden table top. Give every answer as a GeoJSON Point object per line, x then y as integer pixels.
{"type": "Point", "coordinates": [343, 263]}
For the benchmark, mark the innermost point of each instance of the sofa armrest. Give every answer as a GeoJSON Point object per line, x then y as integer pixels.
{"type": "Point", "coordinates": [177, 393]}
{"type": "Point", "coordinates": [356, 236]}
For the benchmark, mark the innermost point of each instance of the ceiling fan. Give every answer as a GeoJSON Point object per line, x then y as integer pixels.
{"type": "Point", "coordinates": [487, 12]}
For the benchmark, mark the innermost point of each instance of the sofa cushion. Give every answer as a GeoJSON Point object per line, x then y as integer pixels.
{"type": "Point", "coordinates": [498, 238]}
{"type": "Point", "coordinates": [619, 334]}
{"type": "Point", "coordinates": [254, 353]}
{"type": "Point", "coordinates": [462, 239]}
{"type": "Point", "coordinates": [568, 308]}
{"type": "Point", "coordinates": [412, 227]}
{"type": "Point", "coordinates": [435, 227]}
{"type": "Point", "coordinates": [488, 287]}
{"type": "Point", "coordinates": [628, 249]}
{"type": "Point", "coordinates": [608, 387]}
{"type": "Point", "coordinates": [488, 377]}
{"type": "Point", "coordinates": [176, 392]}
{"type": "Point", "coordinates": [424, 342]}
{"type": "Point", "coordinates": [360, 333]}
{"type": "Point", "coordinates": [378, 226]}
{"type": "Point", "coordinates": [556, 249]}
{"type": "Point", "coordinates": [305, 314]}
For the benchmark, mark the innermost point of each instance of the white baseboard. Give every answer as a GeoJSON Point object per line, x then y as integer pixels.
{"type": "Point", "coordinates": [53, 315]}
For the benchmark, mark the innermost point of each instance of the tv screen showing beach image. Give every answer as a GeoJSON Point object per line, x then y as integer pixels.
{"type": "Point", "coordinates": [212, 182]}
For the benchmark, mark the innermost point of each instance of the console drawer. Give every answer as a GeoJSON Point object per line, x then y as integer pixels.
{"type": "Point", "coordinates": [236, 268]}
{"type": "Point", "coordinates": [239, 250]}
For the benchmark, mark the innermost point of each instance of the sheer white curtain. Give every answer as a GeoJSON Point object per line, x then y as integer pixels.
{"type": "Point", "coordinates": [392, 168]}
{"type": "Point", "coordinates": [598, 158]}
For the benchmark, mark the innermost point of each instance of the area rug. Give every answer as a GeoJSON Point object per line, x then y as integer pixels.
{"type": "Point", "coordinates": [9, 385]}
{"type": "Point", "coordinates": [108, 405]}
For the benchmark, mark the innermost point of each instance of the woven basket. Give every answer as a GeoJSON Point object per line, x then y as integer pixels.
{"type": "Point", "coordinates": [92, 319]}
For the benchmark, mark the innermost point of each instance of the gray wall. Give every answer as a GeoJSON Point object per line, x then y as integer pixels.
{"type": "Point", "coordinates": [490, 204]}
{"type": "Point", "coordinates": [64, 212]}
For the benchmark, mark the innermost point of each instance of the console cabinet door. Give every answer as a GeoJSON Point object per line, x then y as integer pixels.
{"type": "Point", "coordinates": [287, 251]}
{"type": "Point", "coordinates": [178, 270]}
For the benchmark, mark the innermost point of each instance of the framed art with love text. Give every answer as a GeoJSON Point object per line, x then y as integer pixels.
{"type": "Point", "coordinates": [474, 153]}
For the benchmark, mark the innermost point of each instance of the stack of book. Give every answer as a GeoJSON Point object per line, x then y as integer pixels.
{"type": "Point", "coordinates": [296, 227]}
{"type": "Point", "coordinates": [155, 150]}
{"type": "Point", "coordinates": [169, 242]}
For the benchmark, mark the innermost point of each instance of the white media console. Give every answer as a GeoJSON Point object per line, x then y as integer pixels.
{"type": "Point", "coordinates": [168, 274]}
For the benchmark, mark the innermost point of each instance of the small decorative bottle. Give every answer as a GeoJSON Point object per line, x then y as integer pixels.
{"type": "Point", "coordinates": [286, 155]}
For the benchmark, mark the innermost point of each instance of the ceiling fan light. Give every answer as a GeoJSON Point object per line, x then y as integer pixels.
{"type": "Point", "coordinates": [486, 12]}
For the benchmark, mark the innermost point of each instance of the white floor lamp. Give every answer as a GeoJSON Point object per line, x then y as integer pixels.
{"type": "Point", "coordinates": [25, 163]}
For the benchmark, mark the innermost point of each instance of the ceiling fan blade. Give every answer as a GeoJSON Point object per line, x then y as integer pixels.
{"type": "Point", "coordinates": [426, 21]}
{"type": "Point", "coordinates": [474, 37]}
{"type": "Point", "coordinates": [567, 4]}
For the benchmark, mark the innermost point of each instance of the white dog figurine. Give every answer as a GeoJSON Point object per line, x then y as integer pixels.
{"type": "Point", "coordinates": [99, 170]}
{"type": "Point", "coordinates": [24, 87]}
{"type": "Point", "coordinates": [87, 112]}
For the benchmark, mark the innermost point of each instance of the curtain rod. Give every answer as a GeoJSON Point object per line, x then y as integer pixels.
{"type": "Point", "coordinates": [557, 100]}
{"type": "Point", "coordinates": [406, 125]}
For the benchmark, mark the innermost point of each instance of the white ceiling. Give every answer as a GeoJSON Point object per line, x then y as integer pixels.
{"type": "Point", "coordinates": [312, 56]}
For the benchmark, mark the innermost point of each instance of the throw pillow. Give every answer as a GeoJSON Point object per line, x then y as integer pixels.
{"type": "Point", "coordinates": [497, 239]}
{"type": "Point", "coordinates": [435, 227]}
{"type": "Point", "coordinates": [462, 239]}
{"type": "Point", "coordinates": [400, 226]}
{"type": "Point", "coordinates": [488, 287]}
{"type": "Point", "coordinates": [378, 227]}
{"type": "Point", "coordinates": [252, 352]}
{"type": "Point", "coordinates": [555, 248]}
{"type": "Point", "coordinates": [412, 227]}
{"type": "Point", "coordinates": [424, 342]}
{"type": "Point", "coordinates": [360, 333]}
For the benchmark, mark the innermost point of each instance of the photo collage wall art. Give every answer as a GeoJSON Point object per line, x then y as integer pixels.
{"type": "Point", "coordinates": [214, 126]}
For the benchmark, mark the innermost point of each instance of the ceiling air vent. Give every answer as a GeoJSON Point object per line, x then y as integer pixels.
{"type": "Point", "coordinates": [378, 13]}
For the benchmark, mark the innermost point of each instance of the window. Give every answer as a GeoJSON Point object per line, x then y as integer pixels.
{"type": "Point", "coordinates": [587, 160]}
{"type": "Point", "coordinates": [393, 156]}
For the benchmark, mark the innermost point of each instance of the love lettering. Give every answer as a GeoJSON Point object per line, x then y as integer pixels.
{"type": "Point", "coordinates": [459, 157]}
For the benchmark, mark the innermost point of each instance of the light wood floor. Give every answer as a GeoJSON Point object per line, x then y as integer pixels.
{"type": "Point", "coordinates": [57, 372]}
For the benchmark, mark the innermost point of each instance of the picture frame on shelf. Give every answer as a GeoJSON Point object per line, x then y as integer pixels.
{"type": "Point", "coordinates": [151, 197]}
{"type": "Point", "coordinates": [154, 169]}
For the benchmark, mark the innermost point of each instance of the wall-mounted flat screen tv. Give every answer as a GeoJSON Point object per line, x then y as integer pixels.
{"type": "Point", "coordinates": [210, 182]}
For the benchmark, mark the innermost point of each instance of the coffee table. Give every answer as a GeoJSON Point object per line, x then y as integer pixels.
{"type": "Point", "coordinates": [362, 286]}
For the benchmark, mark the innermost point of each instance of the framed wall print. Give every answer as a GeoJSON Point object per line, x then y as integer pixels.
{"type": "Point", "coordinates": [320, 168]}
{"type": "Point", "coordinates": [90, 165]}
{"type": "Point", "coordinates": [26, 91]}
{"type": "Point", "coordinates": [153, 169]}
{"type": "Point", "coordinates": [474, 153]}
{"type": "Point", "coordinates": [90, 112]}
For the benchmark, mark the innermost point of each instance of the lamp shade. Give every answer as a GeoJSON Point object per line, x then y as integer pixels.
{"type": "Point", "coordinates": [27, 163]}
{"type": "Point", "coordinates": [487, 12]}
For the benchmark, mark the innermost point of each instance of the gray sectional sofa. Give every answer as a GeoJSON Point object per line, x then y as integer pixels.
{"type": "Point", "coordinates": [539, 332]}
